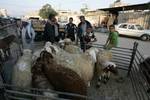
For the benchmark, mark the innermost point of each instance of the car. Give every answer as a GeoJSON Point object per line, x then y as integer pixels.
{"type": "Point", "coordinates": [62, 25]}
{"type": "Point", "coordinates": [133, 30]}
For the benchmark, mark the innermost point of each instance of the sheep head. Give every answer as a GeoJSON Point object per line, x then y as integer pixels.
{"type": "Point", "coordinates": [51, 48]}
{"type": "Point", "coordinates": [65, 42]}
{"type": "Point", "coordinates": [92, 53]}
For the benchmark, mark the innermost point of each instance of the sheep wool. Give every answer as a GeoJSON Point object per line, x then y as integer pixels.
{"type": "Point", "coordinates": [77, 63]}
{"type": "Point", "coordinates": [72, 49]}
{"type": "Point", "coordinates": [40, 81]}
{"type": "Point", "coordinates": [65, 80]}
{"type": "Point", "coordinates": [103, 57]}
{"type": "Point", "coordinates": [22, 70]}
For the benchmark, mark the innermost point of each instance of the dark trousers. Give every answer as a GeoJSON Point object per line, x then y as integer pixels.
{"type": "Point", "coordinates": [52, 39]}
{"type": "Point", "coordinates": [72, 37]}
{"type": "Point", "coordinates": [82, 44]}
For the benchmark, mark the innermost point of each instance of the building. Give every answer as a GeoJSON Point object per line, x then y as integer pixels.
{"type": "Point", "coordinates": [137, 17]}
{"type": "Point", "coordinates": [96, 17]}
{"type": "Point", "coordinates": [138, 14]}
{"type": "Point", "coordinates": [63, 15]}
{"type": "Point", "coordinates": [3, 12]}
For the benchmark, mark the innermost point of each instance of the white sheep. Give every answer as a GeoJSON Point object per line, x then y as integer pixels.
{"type": "Point", "coordinates": [22, 70]}
{"type": "Point", "coordinates": [48, 47]}
{"type": "Point", "coordinates": [92, 54]}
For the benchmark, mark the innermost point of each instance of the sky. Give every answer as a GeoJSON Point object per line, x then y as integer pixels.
{"type": "Point", "coordinates": [21, 7]}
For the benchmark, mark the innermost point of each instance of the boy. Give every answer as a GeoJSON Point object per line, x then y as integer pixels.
{"type": "Point", "coordinates": [112, 40]}
{"type": "Point", "coordinates": [89, 37]}
{"type": "Point", "coordinates": [71, 29]}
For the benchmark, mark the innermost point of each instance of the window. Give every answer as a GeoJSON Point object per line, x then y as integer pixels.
{"type": "Point", "coordinates": [131, 27]}
{"type": "Point", "coordinates": [123, 26]}
{"type": "Point", "coordinates": [139, 27]}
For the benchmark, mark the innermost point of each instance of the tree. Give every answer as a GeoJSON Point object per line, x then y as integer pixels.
{"type": "Point", "coordinates": [84, 9]}
{"type": "Point", "coordinates": [46, 10]}
{"type": "Point", "coordinates": [117, 1]}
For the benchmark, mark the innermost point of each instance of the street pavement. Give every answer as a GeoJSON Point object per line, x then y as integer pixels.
{"type": "Point", "coordinates": [144, 46]}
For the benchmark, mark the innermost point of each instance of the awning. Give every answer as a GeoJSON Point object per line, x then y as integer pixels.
{"type": "Point", "coordinates": [145, 6]}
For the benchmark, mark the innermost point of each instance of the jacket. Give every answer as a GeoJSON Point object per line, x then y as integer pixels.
{"type": "Point", "coordinates": [79, 32]}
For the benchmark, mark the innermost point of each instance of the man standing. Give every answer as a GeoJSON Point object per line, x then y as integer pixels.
{"type": "Point", "coordinates": [71, 29]}
{"type": "Point", "coordinates": [82, 28]}
{"type": "Point", "coordinates": [51, 32]}
{"type": "Point", "coordinates": [112, 40]}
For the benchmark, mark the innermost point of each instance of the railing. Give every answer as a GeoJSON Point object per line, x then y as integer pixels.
{"type": "Point", "coordinates": [121, 56]}
{"type": "Point", "coordinates": [138, 77]}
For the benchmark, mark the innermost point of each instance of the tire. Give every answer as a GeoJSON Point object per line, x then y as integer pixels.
{"type": "Point", "coordinates": [144, 37]}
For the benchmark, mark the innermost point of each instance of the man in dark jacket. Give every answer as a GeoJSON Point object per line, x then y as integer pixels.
{"type": "Point", "coordinates": [82, 28]}
{"type": "Point", "coordinates": [51, 30]}
{"type": "Point", "coordinates": [71, 29]}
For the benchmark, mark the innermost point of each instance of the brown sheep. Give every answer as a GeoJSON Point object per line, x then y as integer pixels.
{"type": "Point", "coordinates": [62, 78]}
{"type": "Point", "coordinates": [40, 81]}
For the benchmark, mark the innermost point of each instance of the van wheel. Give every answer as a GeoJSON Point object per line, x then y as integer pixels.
{"type": "Point", "coordinates": [144, 37]}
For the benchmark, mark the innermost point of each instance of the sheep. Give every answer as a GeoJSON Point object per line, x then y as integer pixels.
{"type": "Point", "coordinates": [92, 54]}
{"type": "Point", "coordinates": [65, 80]}
{"type": "Point", "coordinates": [48, 47]}
{"type": "Point", "coordinates": [75, 62]}
{"type": "Point", "coordinates": [104, 66]}
{"type": "Point", "coordinates": [40, 81]}
{"type": "Point", "coordinates": [73, 49]}
{"type": "Point", "coordinates": [22, 70]}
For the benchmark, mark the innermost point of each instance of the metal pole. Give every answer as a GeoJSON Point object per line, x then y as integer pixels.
{"type": "Point", "coordinates": [132, 57]}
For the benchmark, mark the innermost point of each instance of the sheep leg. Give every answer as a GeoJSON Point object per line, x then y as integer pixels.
{"type": "Point", "coordinates": [2, 54]}
{"type": "Point", "coordinates": [7, 53]}
{"type": "Point", "coordinates": [89, 84]}
{"type": "Point", "coordinates": [99, 82]}
{"type": "Point", "coordinates": [101, 79]}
